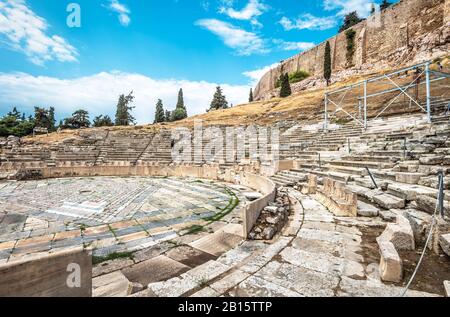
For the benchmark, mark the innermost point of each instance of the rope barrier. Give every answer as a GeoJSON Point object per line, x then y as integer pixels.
{"type": "Point", "coordinates": [433, 223]}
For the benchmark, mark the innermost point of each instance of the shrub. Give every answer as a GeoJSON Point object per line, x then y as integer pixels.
{"type": "Point", "coordinates": [297, 76]}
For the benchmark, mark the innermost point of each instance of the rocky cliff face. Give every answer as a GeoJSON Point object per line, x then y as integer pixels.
{"type": "Point", "coordinates": [408, 32]}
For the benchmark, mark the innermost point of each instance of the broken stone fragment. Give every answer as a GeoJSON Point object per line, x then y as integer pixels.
{"type": "Point", "coordinates": [444, 242]}
{"type": "Point", "coordinates": [269, 233]}
{"type": "Point", "coordinates": [271, 209]}
{"type": "Point", "coordinates": [391, 266]}
{"type": "Point", "coordinates": [136, 287]}
{"type": "Point", "coordinates": [420, 223]}
{"type": "Point", "coordinates": [447, 288]}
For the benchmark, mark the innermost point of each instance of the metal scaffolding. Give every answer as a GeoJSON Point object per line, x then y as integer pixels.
{"type": "Point", "coordinates": [360, 89]}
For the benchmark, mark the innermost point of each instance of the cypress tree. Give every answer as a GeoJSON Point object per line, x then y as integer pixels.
{"type": "Point", "coordinates": [52, 120]}
{"type": "Point", "coordinates": [180, 111]}
{"type": "Point", "coordinates": [285, 90]}
{"type": "Point", "coordinates": [159, 114]}
{"type": "Point", "coordinates": [327, 63]}
{"type": "Point", "coordinates": [250, 98]}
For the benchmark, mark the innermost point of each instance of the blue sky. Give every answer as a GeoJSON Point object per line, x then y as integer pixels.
{"type": "Point", "coordinates": [153, 48]}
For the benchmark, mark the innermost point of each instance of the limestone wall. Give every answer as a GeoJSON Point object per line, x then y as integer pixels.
{"type": "Point", "coordinates": [407, 32]}
{"type": "Point", "coordinates": [253, 210]}
{"type": "Point", "coordinates": [47, 276]}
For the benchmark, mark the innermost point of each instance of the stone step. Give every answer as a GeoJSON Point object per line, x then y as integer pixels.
{"type": "Point", "coordinates": [363, 164]}
{"type": "Point", "coordinates": [367, 210]}
{"type": "Point", "coordinates": [388, 201]}
{"type": "Point", "coordinates": [281, 181]}
{"type": "Point", "coordinates": [347, 169]}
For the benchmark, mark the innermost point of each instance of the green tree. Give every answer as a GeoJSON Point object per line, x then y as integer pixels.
{"type": "Point", "coordinates": [384, 5]}
{"type": "Point", "coordinates": [14, 123]}
{"type": "Point", "coordinates": [52, 120]}
{"type": "Point", "coordinates": [372, 9]}
{"type": "Point", "coordinates": [327, 63]}
{"type": "Point", "coordinates": [350, 20]}
{"type": "Point", "coordinates": [42, 118]}
{"type": "Point", "coordinates": [219, 100]}
{"type": "Point", "coordinates": [285, 90]}
{"type": "Point", "coordinates": [102, 121]}
{"type": "Point", "coordinates": [168, 116]}
{"type": "Point", "coordinates": [180, 111]}
{"type": "Point", "coordinates": [123, 113]}
{"type": "Point", "coordinates": [14, 113]}
{"type": "Point", "coordinates": [159, 114]}
{"type": "Point", "coordinates": [79, 119]}
{"type": "Point", "coordinates": [178, 114]}
{"type": "Point", "coordinates": [250, 98]}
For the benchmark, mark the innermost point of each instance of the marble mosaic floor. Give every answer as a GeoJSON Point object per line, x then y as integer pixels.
{"type": "Point", "coordinates": [109, 214]}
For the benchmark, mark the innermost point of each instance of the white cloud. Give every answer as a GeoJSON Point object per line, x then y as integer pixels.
{"type": "Point", "coordinates": [122, 10]}
{"type": "Point", "coordinates": [255, 75]}
{"type": "Point", "coordinates": [24, 31]}
{"type": "Point", "coordinates": [309, 22]}
{"type": "Point", "coordinates": [99, 93]}
{"type": "Point", "coordinates": [250, 12]}
{"type": "Point", "coordinates": [243, 42]}
{"type": "Point", "coordinates": [293, 46]}
{"type": "Point", "coordinates": [363, 7]}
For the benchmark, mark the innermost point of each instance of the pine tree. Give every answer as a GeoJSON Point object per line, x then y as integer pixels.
{"type": "Point", "coordinates": [384, 5]}
{"type": "Point", "coordinates": [219, 100]}
{"type": "Point", "coordinates": [79, 119]}
{"type": "Point", "coordinates": [350, 20]}
{"type": "Point", "coordinates": [159, 114]}
{"type": "Point", "coordinates": [123, 113]}
{"type": "Point", "coordinates": [250, 98]}
{"type": "Point", "coordinates": [14, 113]}
{"type": "Point", "coordinates": [327, 63]}
{"type": "Point", "coordinates": [102, 121]}
{"type": "Point", "coordinates": [285, 90]}
{"type": "Point", "coordinates": [41, 118]}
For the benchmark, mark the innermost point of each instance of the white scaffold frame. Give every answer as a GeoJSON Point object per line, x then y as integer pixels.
{"type": "Point", "coordinates": [362, 100]}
